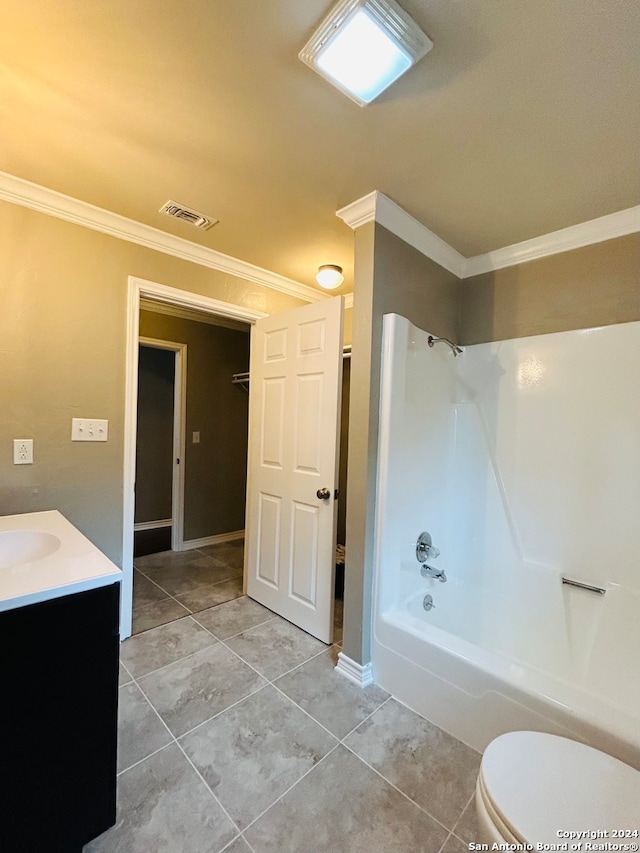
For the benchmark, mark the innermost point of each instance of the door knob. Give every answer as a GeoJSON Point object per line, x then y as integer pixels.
{"type": "Point", "coordinates": [323, 494]}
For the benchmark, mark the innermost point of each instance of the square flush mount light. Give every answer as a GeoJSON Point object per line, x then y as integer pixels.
{"type": "Point", "coordinates": [363, 46]}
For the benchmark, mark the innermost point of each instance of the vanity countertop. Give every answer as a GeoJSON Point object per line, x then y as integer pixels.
{"type": "Point", "coordinates": [43, 556]}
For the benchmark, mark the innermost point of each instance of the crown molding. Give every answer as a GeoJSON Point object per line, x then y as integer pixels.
{"type": "Point", "coordinates": [574, 237]}
{"type": "Point", "coordinates": [401, 223]}
{"type": "Point", "coordinates": [18, 191]}
{"type": "Point", "coordinates": [359, 212]}
{"type": "Point", "coordinates": [379, 208]}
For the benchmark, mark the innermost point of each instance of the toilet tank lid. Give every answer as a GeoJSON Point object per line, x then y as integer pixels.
{"type": "Point", "coordinates": [542, 784]}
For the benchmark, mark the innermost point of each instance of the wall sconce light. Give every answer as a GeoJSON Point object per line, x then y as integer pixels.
{"type": "Point", "coordinates": [329, 276]}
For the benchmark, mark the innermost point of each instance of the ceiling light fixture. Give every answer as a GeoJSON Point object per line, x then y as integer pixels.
{"type": "Point", "coordinates": [329, 276]}
{"type": "Point", "coordinates": [363, 46]}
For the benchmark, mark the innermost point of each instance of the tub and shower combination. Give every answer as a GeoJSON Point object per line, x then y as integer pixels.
{"type": "Point", "coordinates": [521, 459]}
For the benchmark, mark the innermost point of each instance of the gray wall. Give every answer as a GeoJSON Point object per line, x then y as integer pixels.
{"type": "Point", "coordinates": [391, 276]}
{"type": "Point", "coordinates": [154, 439]}
{"type": "Point", "coordinates": [592, 286]}
{"type": "Point", "coordinates": [216, 468]}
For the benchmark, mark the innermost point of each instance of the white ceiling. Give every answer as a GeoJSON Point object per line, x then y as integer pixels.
{"type": "Point", "coordinates": [523, 119]}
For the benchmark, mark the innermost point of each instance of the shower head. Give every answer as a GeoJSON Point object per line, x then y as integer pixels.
{"type": "Point", "coordinates": [455, 349]}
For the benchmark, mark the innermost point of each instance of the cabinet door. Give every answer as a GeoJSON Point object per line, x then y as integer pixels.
{"type": "Point", "coordinates": [58, 717]}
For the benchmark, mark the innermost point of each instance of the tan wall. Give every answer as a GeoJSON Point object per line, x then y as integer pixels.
{"type": "Point", "coordinates": [593, 286]}
{"type": "Point", "coordinates": [391, 276]}
{"type": "Point", "coordinates": [216, 467]}
{"type": "Point", "coordinates": [62, 328]}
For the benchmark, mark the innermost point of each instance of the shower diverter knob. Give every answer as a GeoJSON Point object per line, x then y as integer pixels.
{"type": "Point", "coordinates": [425, 549]}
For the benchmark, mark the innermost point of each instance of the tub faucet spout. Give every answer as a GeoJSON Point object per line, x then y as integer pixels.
{"type": "Point", "coordinates": [429, 572]}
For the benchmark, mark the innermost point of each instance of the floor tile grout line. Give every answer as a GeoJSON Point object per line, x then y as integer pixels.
{"type": "Point", "coordinates": [167, 593]}
{"type": "Point", "coordinates": [223, 711]}
{"type": "Point", "coordinates": [188, 611]}
{"type": "Point", "coordinates": [293, 668]}
{"type": "Point", "coordinates": [281, 675]}
{"type": "Point", "coordinates": [141, 608]}
{"type": "Point", "coordinates": [183, 556]}
{"type": "Point", "coordinates": [364, 720]}
{"type": "Point", "coordinates": [282, 693]}
{"type": "Point", "coordinates": [203, 586]}
{"type": "Point", "coordinates": [247, 843]}
{"type": "Point", "coordinates": [284, 793]}
{"type": "Point", "coordinates": [140, 760]}
{"type": "Point", "coordinates": [151, 580]}
{"type": "Point", "coordinates": [310, 715]}
{"type": "Point", "coordinates": [179, 745]}
{"type": "Point", "coordinates": [233, 841]}
{"type": "Point", "coordinates": [164, 665]}
{"type": "Point", "coordinates": [339, 742]}
{"type": "Point", "coordinates": [446, 841]}
{"type": "Point", "coordinates": [406, 796]}
{"type": "Point", "coordinates": [204, 782]}
{"type": "Point", "coordinates": [298, 665]}
{"type": "Point", "coordinates": [220, 639]}
{"type": "Point", "coordinates": [304, 711]}
{"type": "Point", "coordinates": [208, 584]}
{"type": "Point", "coordinates": [457, 823]}
{"type": "Point", "coordinates": [186, 557]}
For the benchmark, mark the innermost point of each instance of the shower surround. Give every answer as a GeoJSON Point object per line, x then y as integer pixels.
{"type": "Point", "coordinates": [521, 459]}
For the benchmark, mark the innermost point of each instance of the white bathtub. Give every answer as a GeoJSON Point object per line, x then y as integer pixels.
{"type": "Point", "coordinates": [463, 455]}
{"type": "Point", "coordinates": [478, 678]}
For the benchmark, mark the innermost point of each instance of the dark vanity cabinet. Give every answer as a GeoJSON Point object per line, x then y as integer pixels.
{"type": "Point", "coordinates": [58, 720]}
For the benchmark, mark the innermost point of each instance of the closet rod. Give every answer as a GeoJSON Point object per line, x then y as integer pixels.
{"type": "Point", "coordinates": [243, 378]}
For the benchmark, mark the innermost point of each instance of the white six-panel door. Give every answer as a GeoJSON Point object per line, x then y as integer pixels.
{"type": "Point", "coordinates": [294, 410]}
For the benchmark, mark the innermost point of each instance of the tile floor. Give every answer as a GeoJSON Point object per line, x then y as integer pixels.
{"type": "Point", "coordinates": [173, 584]}
{"type": "Point", "coordinates": [237, 735]}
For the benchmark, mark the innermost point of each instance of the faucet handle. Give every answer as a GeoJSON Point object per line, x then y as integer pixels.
{"type": "Point", "coordinates": [425, 549]}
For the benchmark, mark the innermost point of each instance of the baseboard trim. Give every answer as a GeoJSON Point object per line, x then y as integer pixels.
{"type": "Point", "coordinates": [152, 525]}
{"type": "Point", "coordinates": [359, 674]}
{"type": "Point", "coordinates": [212, 540]}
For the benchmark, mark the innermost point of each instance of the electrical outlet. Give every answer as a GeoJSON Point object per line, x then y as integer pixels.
{"type": "Point", "coordinates": [22, 451]}
{"type": "Point", "coordinates": [89, 430]}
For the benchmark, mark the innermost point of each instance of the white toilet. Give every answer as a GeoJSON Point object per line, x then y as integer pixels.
{"type": "Point", "coordinates": [533, 786]}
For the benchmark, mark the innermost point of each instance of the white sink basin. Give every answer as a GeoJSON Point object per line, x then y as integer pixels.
{"type": "Point", "coordinates": [43, 556]}
{"type": "Point", "coordinates": [25, 546]}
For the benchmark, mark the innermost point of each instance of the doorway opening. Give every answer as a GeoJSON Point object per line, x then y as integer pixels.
{"type": "Point", "coordinates": [160, 437]}
{"type": "Point", "coordinates": [174, 299]}
{"type": "Point", "coordinates": [194, 545]}
{"type": "Point", "coordinates": [192, 444]}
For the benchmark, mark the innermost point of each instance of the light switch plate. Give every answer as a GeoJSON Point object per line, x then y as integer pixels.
{"type": "Point", "coordinates": [22, 451]}
{"type": "Point", "coordinates": [83, 429]}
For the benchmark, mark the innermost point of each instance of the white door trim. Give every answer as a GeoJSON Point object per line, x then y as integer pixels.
{"type": "Point", "coordinates": [138, 289]}
{"type": "Point", "coordinates": [179, 434]}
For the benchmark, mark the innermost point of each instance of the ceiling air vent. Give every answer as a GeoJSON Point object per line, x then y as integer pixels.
{"type": "Point", "coordinates": [178, 211]}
